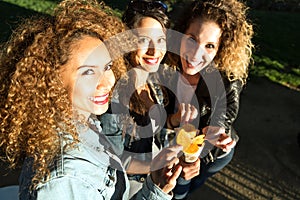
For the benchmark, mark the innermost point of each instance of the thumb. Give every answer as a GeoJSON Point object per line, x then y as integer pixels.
{"type": "Point", "coordinates": [176, 173]}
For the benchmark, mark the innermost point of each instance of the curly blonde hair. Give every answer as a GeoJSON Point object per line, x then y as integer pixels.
{"type": "Point", "coordinates": [235, 49]}
{"type": "Point", "coordinates": [34, 105]}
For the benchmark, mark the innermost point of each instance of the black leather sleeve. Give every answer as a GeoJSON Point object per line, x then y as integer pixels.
{"type": "Point", "coordinates": [232, 95]}
{"type": "Point", "coordinates": [233, 91]}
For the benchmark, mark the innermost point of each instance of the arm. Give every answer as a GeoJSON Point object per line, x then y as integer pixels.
{"type": "Point", "coordinates": [164, 172]}
{"type": "Point", "coordinates": [226, 106]}
{"type": "Point", "coordinates": [138, 167]}
{"type": "Point", "coordinates": [220, 132]}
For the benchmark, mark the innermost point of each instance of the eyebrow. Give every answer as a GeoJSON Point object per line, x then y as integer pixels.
{"type": "Point", "coordinates": [83, 66]}
{"type": "Point", "coordinates": [209, 42]}
{"type": "Point", "coordinates": [93, 66]}
{"type": "Point", "coordinates": [146, 36]}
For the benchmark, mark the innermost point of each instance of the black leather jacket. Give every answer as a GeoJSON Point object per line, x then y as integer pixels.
{"type": "Point", "coordinates": [216, 98]}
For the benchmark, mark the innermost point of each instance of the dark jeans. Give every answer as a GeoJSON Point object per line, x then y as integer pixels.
{"type": "Point", "coordinates": [184, 187]}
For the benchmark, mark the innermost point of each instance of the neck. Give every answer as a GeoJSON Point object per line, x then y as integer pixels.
{"type": "Point", "coordinates": [192, 79]}
{"type": "Point", "coordinates": [141, 77]}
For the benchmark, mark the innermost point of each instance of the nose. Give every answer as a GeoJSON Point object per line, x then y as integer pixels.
{"type": "Point", "coordinates": [198, 54]}
{"type": "Point", "coordinates": [151, 48]}
{"type": "Point", "coordinates": [106, 81]}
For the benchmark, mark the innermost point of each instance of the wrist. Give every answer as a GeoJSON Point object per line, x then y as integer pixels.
{"type": "Point", "coordinates": [173, 123]}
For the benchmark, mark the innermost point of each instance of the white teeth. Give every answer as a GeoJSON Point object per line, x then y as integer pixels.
{"type": "Point", "coordinates": [98, 98]}
{"type": "Point", "coordinates": [151, 60]}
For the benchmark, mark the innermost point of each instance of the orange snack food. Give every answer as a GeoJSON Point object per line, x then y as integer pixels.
{"type": "Point", "coordinates": [187, 137]}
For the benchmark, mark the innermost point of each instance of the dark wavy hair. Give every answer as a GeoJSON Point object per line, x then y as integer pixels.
{"type": "Point", "coordinates": [34, 105]}
{"type": "Point", "coordinates": [132, 18]}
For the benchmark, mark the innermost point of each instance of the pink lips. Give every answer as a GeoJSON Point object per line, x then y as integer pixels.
{"type": "Point", "coordinates": [194, 65]}
{"type": "Point", "coordinates": [189, 65]}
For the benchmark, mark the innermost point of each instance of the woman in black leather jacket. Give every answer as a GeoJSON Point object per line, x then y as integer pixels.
{"type": "Point", "coordinates": [212, 59]}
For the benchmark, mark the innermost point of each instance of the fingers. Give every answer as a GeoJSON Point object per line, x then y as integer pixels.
{"type": "Point", "coordinates": [224, 139]}
{"type": "Point", "coordinates": [170, 183]}
{"type": "Point", "coordinates": [168, 157]}
{"type": "Point", "coordinates": [230, 145]}
{"type": "Point", "coordinates": [190, 170]}
{"type": "Point", "coordinates": [217, 136]}
{"type": "Point", "coordinates": [204, 130]}
{"type": "Point", "coordinates": [225, 142]}
{"type": "Point", "coordinates": [213, 134]}
{"type": "Point", "coordinates": [188, 112]}
{"type": "Point", "coordinates": [176, 173]}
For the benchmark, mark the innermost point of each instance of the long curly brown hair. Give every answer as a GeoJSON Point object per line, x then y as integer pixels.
{"type": "Point", "coordinates": [235, 50]}
{"type": "Point", "coordinates": [34, 105]}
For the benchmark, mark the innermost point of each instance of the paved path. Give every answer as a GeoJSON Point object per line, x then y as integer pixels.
{"type": "Point", "coordinates": [267, 162]}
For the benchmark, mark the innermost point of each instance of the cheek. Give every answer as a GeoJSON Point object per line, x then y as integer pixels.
{"type": "Point", "coordinates": [182, 47]}
{"type": "Point", "coordinates": [107, 81]}
{"type": "Point", "coordinates": [80, 90]}
{"type": "Point", "coordinates": [163, 51]}
{"type": "Point", "coordinates": [111, 79]}
{"type": "Point", "coordinates": [212, 54]}
{"type": "Point", "coordinates": [139, 53]}
{"type": "Point", "coordinates": [186, 47]}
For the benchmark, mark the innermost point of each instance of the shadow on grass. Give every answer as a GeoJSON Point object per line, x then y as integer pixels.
{"type": "Point", "coordinates": [10, 16]}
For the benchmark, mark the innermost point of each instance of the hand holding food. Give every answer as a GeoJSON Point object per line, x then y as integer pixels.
{"type": "Point", "coordinates": [191, 142]}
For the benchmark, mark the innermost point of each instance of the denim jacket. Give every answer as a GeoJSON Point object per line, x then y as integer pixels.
{"type": "Point", "coordinates": [88, 171]}
{"type": "Point", "coordinates": [135, 131]}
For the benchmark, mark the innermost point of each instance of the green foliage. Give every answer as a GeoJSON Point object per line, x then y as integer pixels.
{"type": "Point", "coordinates": [42, 6]}
{"type": "Point", "coordinates": [276, 72]}
{"type": "Point", "coordinates": [277, 47]}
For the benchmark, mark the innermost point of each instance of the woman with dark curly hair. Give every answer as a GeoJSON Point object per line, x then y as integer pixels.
{"type": "Point", "coordinates": [56, 75]}
{"type": "Point", "coordinates": [140, 98]}
{"type": "Point", "coordinates": [213, 58]}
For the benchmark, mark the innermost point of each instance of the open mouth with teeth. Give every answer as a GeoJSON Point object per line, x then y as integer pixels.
{"type": "Point", "coordinates": [100, 100]}
{"type": "Point", "coordinates": [151, 61]}
{"type": "Point", "coordinates": [193, 64]}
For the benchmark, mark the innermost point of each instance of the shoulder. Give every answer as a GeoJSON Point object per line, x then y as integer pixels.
{"type": "Point", "coordinates": [236, 85]}
{"type": "Point", "coordinates": [79, 173]}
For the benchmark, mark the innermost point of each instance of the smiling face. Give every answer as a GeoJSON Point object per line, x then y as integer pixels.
{"type": "Point", "coordinates": [88, 76]}
{"type": "Point", "coordinates": [199, 46]}
{"type": "Point", "coordinates": [151, 44]}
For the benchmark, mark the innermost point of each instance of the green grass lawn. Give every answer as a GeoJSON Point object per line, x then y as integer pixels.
{"type": "Point", "coordinates": [277, 42]}
{"type": "Point", "coordinates": [277, 35]}
{"type": "Point", "coordinates": [277, 54]}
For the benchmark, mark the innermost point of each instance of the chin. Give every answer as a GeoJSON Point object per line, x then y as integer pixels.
{"type": "Point", "coordinates": [152, 68]}
{"type": "Point", "coordinates": [190, 71]}
{"type": "Point", "coordinates": [101, 111]}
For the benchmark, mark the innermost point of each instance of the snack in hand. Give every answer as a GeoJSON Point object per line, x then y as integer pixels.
{"type": "Point", "coordinates": [191, 142]}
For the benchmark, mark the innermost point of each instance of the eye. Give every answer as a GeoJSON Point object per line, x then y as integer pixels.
{"type": "Point", "coordinates": [161, 40]}
{"type": "Point", "coordinates": [191, 40]}
{"type": "Point", "coordinates": [108, 66]}
{"type": "Point", "coordinates": [143, 40]}
{"type": "Point", "coordinates": [210, 46]}
{"type": "Point", "coordinates": [88, 72]}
